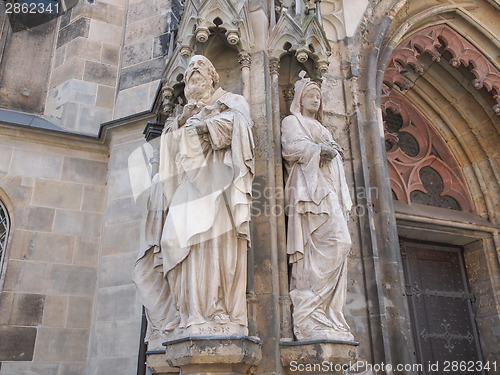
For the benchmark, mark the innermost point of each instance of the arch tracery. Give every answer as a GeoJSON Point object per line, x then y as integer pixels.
{"type": "Point", "coordinates": [414, 147]}
{"type": "Point", "coordinates": [429, 41]}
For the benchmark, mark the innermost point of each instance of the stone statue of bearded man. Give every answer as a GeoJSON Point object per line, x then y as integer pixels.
{"type": "Point", "coordinates": [191, 275]}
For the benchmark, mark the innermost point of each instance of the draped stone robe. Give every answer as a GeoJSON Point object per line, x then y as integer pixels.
{"type": "Point", "coordinates": [198, 225]}
{"type": "Point", "coordinates": [317, 204]}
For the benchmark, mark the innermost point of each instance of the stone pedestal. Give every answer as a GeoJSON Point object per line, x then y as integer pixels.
{"type": "Point", "coordinates": [158, 365]}
{"type": "Point", "coordinates": [208, 355]}
{"type": "Point", "coordinates": [318, 357]}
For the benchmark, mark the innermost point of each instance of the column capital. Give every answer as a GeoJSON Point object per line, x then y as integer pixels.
{"type": "Point", "coordinates": [274, 65]}
{"type": "Point", "coordinates": [244, 59]}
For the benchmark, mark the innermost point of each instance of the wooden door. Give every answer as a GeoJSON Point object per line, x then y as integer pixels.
{"type": "Point", "coordinates": [442, 317]}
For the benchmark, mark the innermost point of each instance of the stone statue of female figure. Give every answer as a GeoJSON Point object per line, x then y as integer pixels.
{"type": "Point", "coordinates": [317, 204]}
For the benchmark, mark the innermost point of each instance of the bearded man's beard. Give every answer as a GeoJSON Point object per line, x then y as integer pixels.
{"type": "Point", "coordinates": [198, 87]}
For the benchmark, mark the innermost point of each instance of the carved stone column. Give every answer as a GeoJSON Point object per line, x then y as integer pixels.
{"type": "Point", "coordinates": [245, 60]}
{"type": "Point", "coordinates": [278, 213]}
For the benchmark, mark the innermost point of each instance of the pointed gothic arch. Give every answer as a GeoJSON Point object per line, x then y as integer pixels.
{"type": "Point", "coordinates": [441, 61]}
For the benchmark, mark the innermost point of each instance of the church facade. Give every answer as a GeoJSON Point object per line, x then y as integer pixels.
{"type": "Point", "coordinates": [410, 91]}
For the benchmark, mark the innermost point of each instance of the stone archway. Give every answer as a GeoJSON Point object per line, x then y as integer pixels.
{"type": "Point", "coordinates": [438, 77]}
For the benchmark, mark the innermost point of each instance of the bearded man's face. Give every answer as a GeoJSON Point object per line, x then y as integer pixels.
{"type": "Point", "coordinates": [199, 84]}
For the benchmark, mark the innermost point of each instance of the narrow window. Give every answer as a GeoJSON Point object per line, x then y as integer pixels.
{"type": "Point", "coordinates": [4, 231]}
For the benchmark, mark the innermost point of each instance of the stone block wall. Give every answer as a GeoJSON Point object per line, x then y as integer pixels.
{"type": "Point", "coordinates": [54, 189]}
{"type": "Point", "coordinates": [116, 324]}
{"type": "Point", "coordinates": [146, 42]}
{"type": "Point", "coordinates": [25, 64]}
{"type": "Point", "coordinates": [480, 257]}
{"type": "Point", "coordinates": [85, 66]}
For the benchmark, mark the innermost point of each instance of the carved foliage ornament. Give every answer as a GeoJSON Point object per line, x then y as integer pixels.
{"type": "Point", "coordinates": [428, 41]}
{"type": "Point", "coordinates": [424, 151]}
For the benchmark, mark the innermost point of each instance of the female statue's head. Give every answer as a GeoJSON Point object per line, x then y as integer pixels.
{"type": "Point", "coordinates": [307, 99]}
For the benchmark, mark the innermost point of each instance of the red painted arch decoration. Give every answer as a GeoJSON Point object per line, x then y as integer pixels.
{"type": "Point", "coordinates": [429, 41]}
{"type": "Point", "coordinates": [404, 170]}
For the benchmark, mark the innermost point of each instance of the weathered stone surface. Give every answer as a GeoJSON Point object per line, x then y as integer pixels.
{"type": "Point", "coordinates": [120, 154]}
{"type": "Point", "coordinates": [77, 91]}
{"type": "Point", "coordinates": [107, 334]}
{"type": "Point", "coordinates": [57, 194]}
{"type": "Point", "coordinates": [5, 156]}
{"type": "Point", "coordinates": [138, 12]}
{"type": "Point", "coordinates": [33, 277]}
{"type": "Point", "coordinates": [65, 19]}
{"type": "Point", "coordinates": [490, 332]}
{"type": "Point", "coordinates": [100, 73]}
{"type": "Point", "coordinates": [28, 368]}
{"type": "Point", "coordinates": [6, 302]}
{"type": "Point", "coordinates": [117, 303]}
{"type": "Point", "coordinates": [84, 171]}
{"type": "Point", "coordinates": [59, 56]}
{"type": "Point", "coordinates": [36, 164]}
{"type": "Point", "coordinates": [13, 275]}
{"type": "Point", "coordinates": [137, 53]}
{"type": "Point", "coordinates": [113, 267]}
{"type": "Point", "coordinates": [119, 184]}
{"type": "Point", "coordinates": [75, 29]}
{"type": "Point", "coordinates": [316, 353]}
{"type": "Point", "coordinates": [61, 345]}
{"type": "Point", "coordinates": [158, 364]}
{"type": "Point", "coordinates": [122, 210]}
{"type": "Point", "coordinates": [146, 28]}
{"type": "Point", "coordinates": [70, 115]}
{"type": "Point", "coordinates": [78, 223]}
{"type": "Point", "coordinates": [18, 193]}
{"type": "Point", "coordinates": [485, 303]}
{"type": "Point", "coordinates": [72, 280]}
{"type": "Point", "coordinates": [106, 33]}
{"type": "Point", "coordinates": [105, 96]}
{"type": "Point", "coordinates": [27, 309]}
{"type": "Point", "coordinates": [133, 100]}
{"type": "Point", "coordinates": [55, 311]}
{"type": "Point", "coordinates": [72, 369]}
{"type": "Point", "coordinates": [161, 44]}
{"type": "Point", "coordinates": [93, 198]}
{"type": "Point", "coordinates": [16, 344]}
{"type": "Point", "coordinates": [86, 251]}
{"type": "Point", "coordinates": [39, 218]}
{"type": "Point", "coordinates": [141, 73]}
{"type": "Point", "coordinates": [93, 11]}
{"type": "Point", "coordinates": [121, 238]}
{"type": "Point", "coordinates": [71, 69]}
{"type": "Point", "coordinates": [110, 54]}
{"type": "Point", "coordinates": [26, 65]}
{"type": "Point", "coordinates": [79, 312]}
{"type": "Point", "coordinates": [119, 365]}
{"type": "Point", "coordinates": [233, 354]}
{"type": "Point", "coordinates": [91, 118]}
{"type": "Point", "coordinates": [115, 15]}
{"type": "Point", "coordinates": [116, 3]}
{"type": "Point", "coordinates": [83, 48]}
